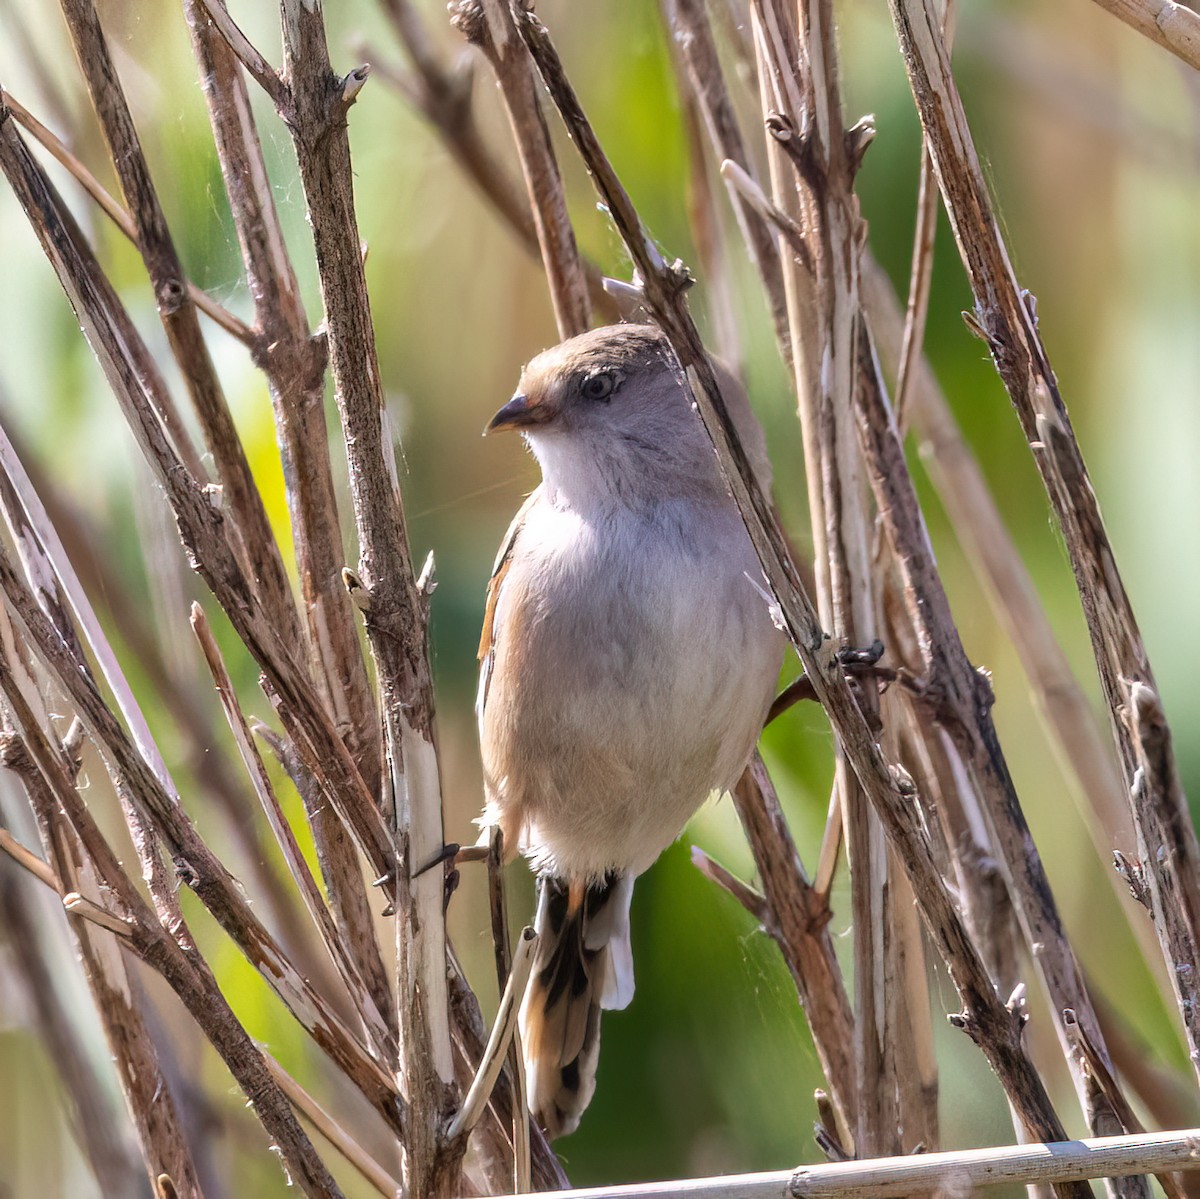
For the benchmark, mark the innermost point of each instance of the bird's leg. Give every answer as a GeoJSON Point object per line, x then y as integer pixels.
{"type": "Point", "coordinates": [453, 854]}
{"type": "Point", "coordinates": [858, 663]}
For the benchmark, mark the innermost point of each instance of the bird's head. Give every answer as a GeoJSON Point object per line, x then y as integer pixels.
{"type": "Point", "coordinates": [608, 418]}
{"type": "Point", "coordinates": [600, 384]}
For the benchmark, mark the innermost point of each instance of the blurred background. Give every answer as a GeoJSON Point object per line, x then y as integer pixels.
{"type": "Point", "coordinates": [1091, 141]}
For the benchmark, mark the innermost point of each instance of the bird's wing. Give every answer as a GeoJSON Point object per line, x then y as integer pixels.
{"type": "Point", "coordinates": [487, 638]}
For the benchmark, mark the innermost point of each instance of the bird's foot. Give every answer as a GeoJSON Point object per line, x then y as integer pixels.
{"type": "Point", "coordinates": [856, 662]}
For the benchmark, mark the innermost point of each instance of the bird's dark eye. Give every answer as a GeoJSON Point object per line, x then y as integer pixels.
{"type": "Point", "coordinates": [598, 387]}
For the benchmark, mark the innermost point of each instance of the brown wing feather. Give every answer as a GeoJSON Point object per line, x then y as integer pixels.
{"type": "Point", "coordinates": [487, 637]}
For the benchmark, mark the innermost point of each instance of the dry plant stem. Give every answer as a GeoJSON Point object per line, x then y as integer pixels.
{"type": "Point", "coordinates": [53, 585]}
{"type": "Point", "coordinates": [981, 531]}
{"type": "Point", "coordinates": [1167, 842]}
{"type": "Point", "coordinates": [231, 34]}
{"type": "Point", "coordinates": [958, 1172]}
{"type": "Point", "coordinates": [97, 1122]}
{"type": "Point", "coordinates": [688, 23]}
{"type": "Point", "coordinates": [487, 24]}
{"type": "Point", "coordinates": [499, 1040]}
{"type": "Point", "coordinates": [921, 272]}
{"type": "Point", "coordinates": [967, 699]}
{"type": "Point", "coordinates": [194, 861]}
{"type": "Point", "coordinates": [799, 920]}
{"type": "Point", "coordinates": [149, 801]}
{"type": "Point", "coordinates": [814, 178]}
{"type": "Point", "coordinates": [382, 1035]}
{"type": "Point", "coordinates": [221, 787]}
{"type": "Point", "coordinates": [333, 1132]}
{"type": "Point", "coordinates": [890, 793]}
{"type": "Point", "coordinates": [393, 607]}
{"type": "Point", "coordinates": [161, 1131]}
{"type": "Point", "coordinates": [120, 352]}
{"type": "Point", "coordinates": [99, 310]}
{"type": "Point", "coordinates": [29, 861]}
{"type": "Point", "coordinates": [1175, 27]}
{"type": "Point", "coordinates": [219, 314]}
{"type": "Point", "coordinates": [294, 363]}
{"type": "Point", "coordinates": [255, 543]}
{"type": "Point", "coordinates": [184, 970]}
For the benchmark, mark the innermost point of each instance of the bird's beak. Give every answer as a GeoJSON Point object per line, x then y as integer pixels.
{"type": "Point", "coordinates": [519, 413]}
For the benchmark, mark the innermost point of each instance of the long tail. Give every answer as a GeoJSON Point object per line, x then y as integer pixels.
{"type": "Point", "coordinates": [583, 965]}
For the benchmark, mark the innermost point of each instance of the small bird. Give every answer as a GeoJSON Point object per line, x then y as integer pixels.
{"type": "Point", "coordinates": [628, 660]}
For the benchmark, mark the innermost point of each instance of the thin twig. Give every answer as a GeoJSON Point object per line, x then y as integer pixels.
{"type": "Point", "coordinates": [754, 902]}
{"type": "Point", "coordinates": [496, 1049]}
{"type": "Point", "coordinates": [217, 312]}
{"type": "Point", "coordinates": [487, 24]}
{"type": "Point", "coordinates": [334, 1132]}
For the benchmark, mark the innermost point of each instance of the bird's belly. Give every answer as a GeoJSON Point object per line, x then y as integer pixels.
{"type": "Point", "coordinates": [607, 748]}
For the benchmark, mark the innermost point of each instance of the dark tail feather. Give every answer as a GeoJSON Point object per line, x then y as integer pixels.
{"type": "Point", "coordinates": [583, 965]}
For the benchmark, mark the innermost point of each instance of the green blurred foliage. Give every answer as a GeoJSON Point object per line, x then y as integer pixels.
{"type": "Point", "coordinates": [1089, 138]}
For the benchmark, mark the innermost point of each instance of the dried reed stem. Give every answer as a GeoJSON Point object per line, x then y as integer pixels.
{"type": "Point", "coordinates": [1175, 27]}
{"type": "Point", "coordinates": [1167, 845]}
{"type": "Point", "coordinates": [386, 591]}
{"type": "Point", "coordinates": [896, 1177]}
